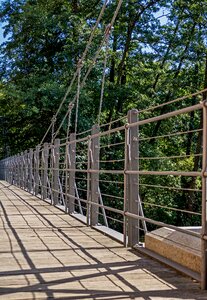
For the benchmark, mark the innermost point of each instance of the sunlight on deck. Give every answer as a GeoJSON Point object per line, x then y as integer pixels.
{"type": "Point", "coordinates": [46, 254]}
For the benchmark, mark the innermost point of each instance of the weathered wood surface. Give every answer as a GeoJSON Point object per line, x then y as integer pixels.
{"type": "Point", "coordinates": [46, 254]}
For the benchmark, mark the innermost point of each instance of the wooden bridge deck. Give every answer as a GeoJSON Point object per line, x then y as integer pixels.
{"type": "Point", "coordinates": [46, 254]}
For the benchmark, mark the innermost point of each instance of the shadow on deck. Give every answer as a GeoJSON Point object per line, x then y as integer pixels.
{"type": "Point", "coordinates": [46, 254]}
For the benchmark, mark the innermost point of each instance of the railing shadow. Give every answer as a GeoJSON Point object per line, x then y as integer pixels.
{"type": "Point", "coordinates": [90, 276]}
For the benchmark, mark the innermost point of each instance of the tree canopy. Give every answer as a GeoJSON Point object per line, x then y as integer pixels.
{"type": "Point", "coordinates": [157, 51]}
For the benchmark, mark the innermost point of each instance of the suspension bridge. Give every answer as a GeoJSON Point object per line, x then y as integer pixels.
{"type": "Point", "coordinates": [80, 214]}
{"type": "Point", "coordinates": [74, 226]}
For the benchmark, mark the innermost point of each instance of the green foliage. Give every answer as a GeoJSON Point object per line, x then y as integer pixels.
{"type": "Point", "coordinates": [157, 52]}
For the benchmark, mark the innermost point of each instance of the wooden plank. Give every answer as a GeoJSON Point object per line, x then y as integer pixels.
{"type": "Point", "coordinates": [46, 254]}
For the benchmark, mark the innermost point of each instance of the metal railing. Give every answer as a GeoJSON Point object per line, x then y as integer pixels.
{"type": "Point", "coordinates": [121, 178]}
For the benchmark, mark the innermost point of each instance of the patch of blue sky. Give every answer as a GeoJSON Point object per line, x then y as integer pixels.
{"type": "Point", "coordinates": [1, 35]}
{"type": "Point", "coordinates": [2, 39]}
{"type": "Point", "coordinates": [162, 15]}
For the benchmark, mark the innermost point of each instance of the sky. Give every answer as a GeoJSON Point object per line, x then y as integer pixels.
{"type": "Point", "coordinates": [1, 34]}
{"type": "Point", "coordinates": [1, 31]}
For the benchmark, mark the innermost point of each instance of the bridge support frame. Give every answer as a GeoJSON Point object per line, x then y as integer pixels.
{"type": "Point", "coordinates": [25, 170]}
{"type": "Point", "coordinates": [95, 145]}
{"type": "Point", "coordinates": [70, 177]}
{"type": "Point", "coordinates": [44, 170]}
{"type": "Point", "coordinates": [132, 180]}
{"type": "Point", "coordinates": [55, 171]}
{"type": "Point", "coordinates": [36, 170]}
{"type": "Point", "coordinates": [30, 171]}
{"type": "Point", "coordinates": [204, 203]}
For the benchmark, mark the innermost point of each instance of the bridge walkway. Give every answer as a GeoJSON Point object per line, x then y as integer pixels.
{"type": "Point", "coordinates": [47, 254]}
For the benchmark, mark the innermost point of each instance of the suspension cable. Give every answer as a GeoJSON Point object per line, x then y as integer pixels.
{"type": "Point", "coordinates": [76, 72]}
{"type": "Point", "coordinates": [53, 128]}
{"type": "Point", "coordinates": [173, 101]}
{"type": "Point", "coordinates": [82, 83]}
{"type": "Point", "coordinates": [92, 64]}
{"type": "Point", "coordinates": [70, 108]}
{"type": "Point", "coordinates": [108, 31]}
{"type": "Point", "coordinates": [78, 96]}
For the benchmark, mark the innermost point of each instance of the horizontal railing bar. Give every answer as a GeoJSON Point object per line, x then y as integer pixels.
{"type": "Point", "coordinates": [171, 208]}
{"type": "Point", "coordinates": [79, 178]}
{"type": "Point", "coordinates": [97, 171]}
{"type": "Point", "coordinates": [113, 219]}
{"type": "Point", "coordinates": [111, 196]}
{"type": "Point", "coordinates": [90, 202]}
{"type": "Point", "coordinates": [161, 224]}
{"type": "Point", "coordinates": [82, 150]}
{"type": "Point", "coordinates": [107, 171]}
{"type": "Point", "coordinates": [118, 211]}
{"type": "Point", "coordinates": [174, 173]}
{"type": "Point", "coordinates": [173, 101]}
{"type": "Point", "coordinates": [78, 170]}
{"type": "Point", "coordinates": [167, 115]}
{"type": "Point", "coordinates": [78, 140]}
{"type": "Point", "coordinates": [110, 181]}
{"type": "Point", "coordinates": [83, 132]}
{"type": "Point", "coordinates": [167, 157]}
{"type": "Point", "coordinates": [100, 134]}
{"type": "Point", "coordinates": [80, 189]}
{"type": "Point", "coordinates": [169, 187]}
{"type": "Point", "coordinates": [111, 161]}
{"type": "Point", "coordinates": [112, 122]}
{"type": "Point", "coordinates": [170, 134]}
{"type": "Point", "coordinates": [111, 145]}
{"type": "Point", "coordinates": [131, 215]}
{"type": "Point", "coordinates": [76, 204]}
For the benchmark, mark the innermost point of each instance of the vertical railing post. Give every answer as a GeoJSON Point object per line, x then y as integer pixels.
{"type": "Point", "coordinates": [44, 173]}
{"type": "Point", "coordinates": [204, 203]}
{"type": "Point", "coordinates": [30, 171]}
{"type": "Point", "coordinates": [95, 145]}
{"type": "Point", "coordinates": [41, 163]}
{"type": "Point", "coordinates": [88, 206]}
{"type": "Point", "coordinates": [7, 170]}
{"type": "Point", "coordinates": [71, 163]}
{"type": "Point", "coordinates": [5, 167]}
{"type": "Point", "coordinates": [56, 158]}
{"type": "Point", "coordinates": [66, 166]}
{"type": "Point", "coordinates": [11, 176]}
{"type": "Point", "coordinates": [36, 171]}
{"type": "Point", "coordinates": [6, 163]}
{"type": "Point", "coordinates": [132, 179]}
{"type": "Point", "coordinates": [27, 170]}
{"type": "Point", "coordinates": [21, 169]}
{"type": "Point", "coordinates": [2, 168]}
{"type": "Point", "coordinates": [25, 180]}
{"type": "Point", "coordinates": [15, 170]}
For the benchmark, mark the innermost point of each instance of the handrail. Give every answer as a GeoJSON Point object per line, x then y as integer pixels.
{"type": "Point", "coordinates": [91, 176]}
